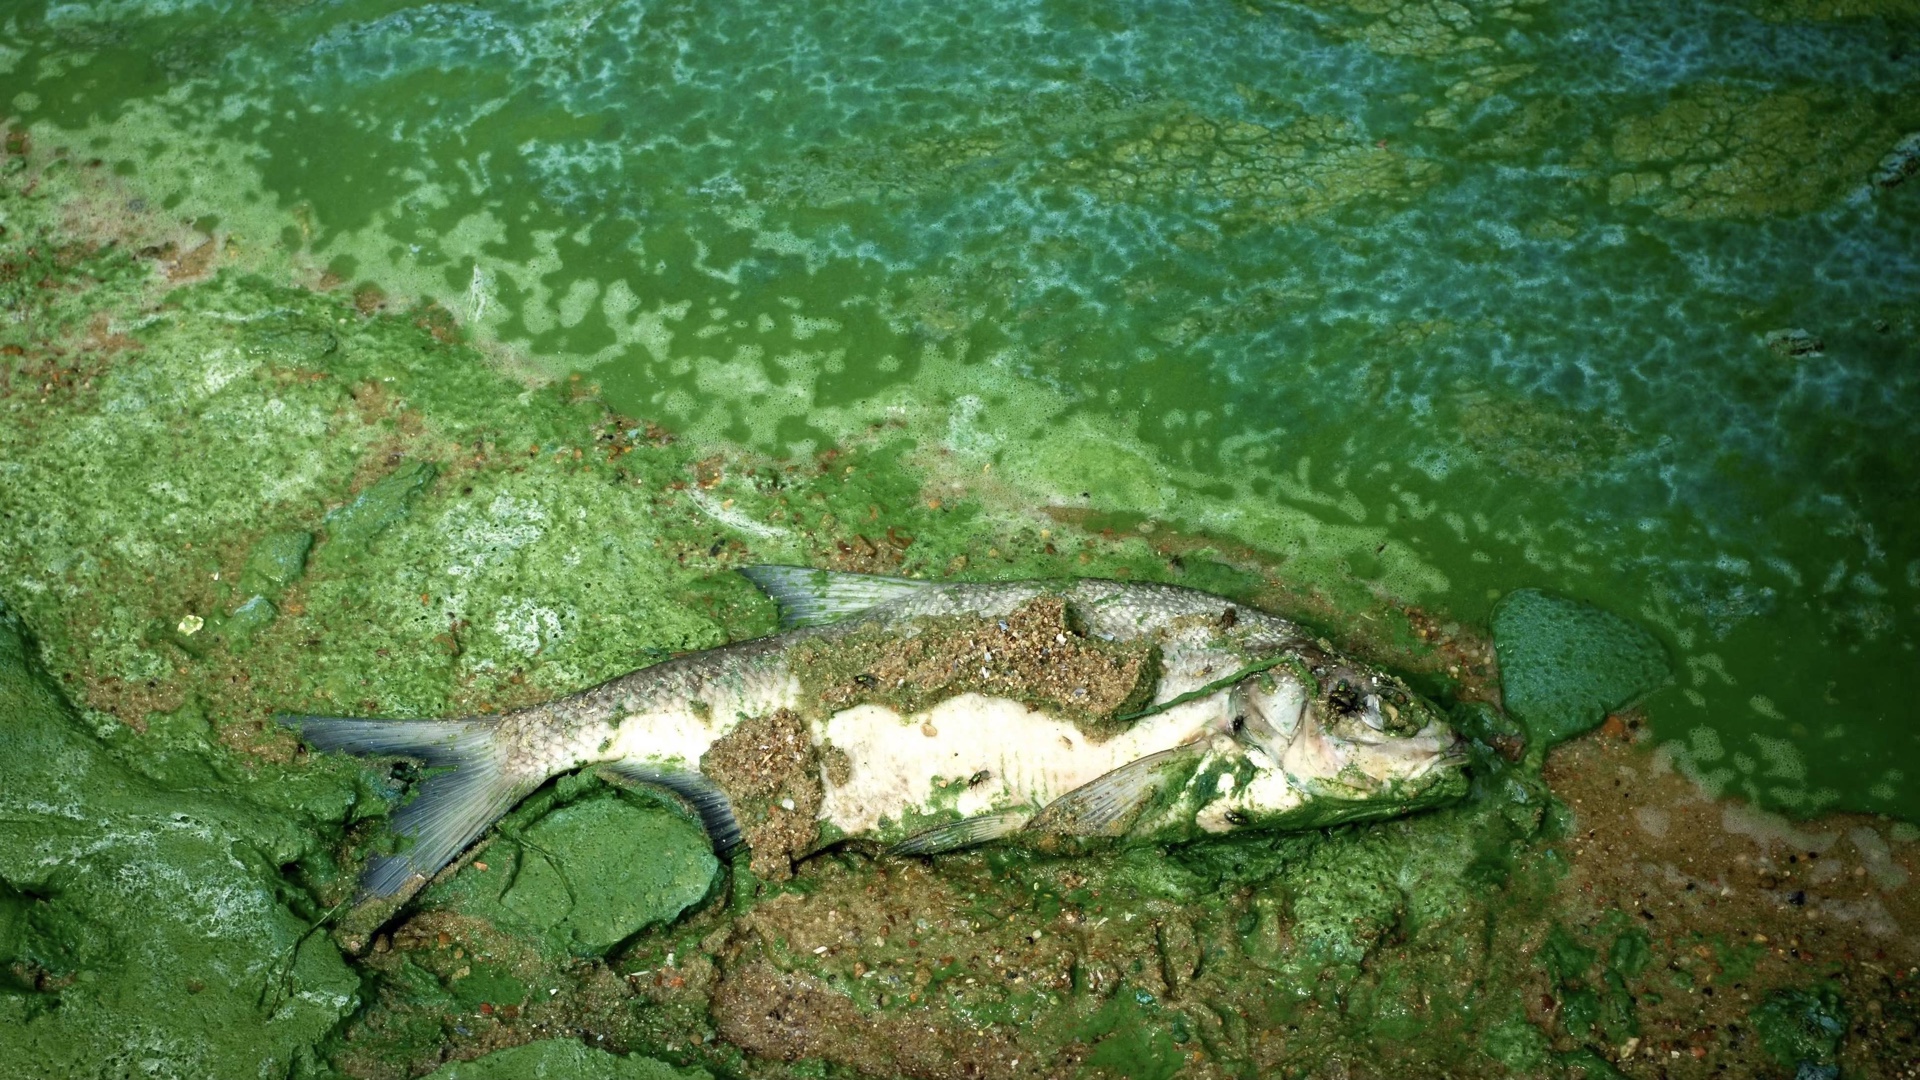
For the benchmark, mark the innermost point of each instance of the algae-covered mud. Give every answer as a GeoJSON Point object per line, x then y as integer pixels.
{"type": "Point", "coordinates": [441, 360]}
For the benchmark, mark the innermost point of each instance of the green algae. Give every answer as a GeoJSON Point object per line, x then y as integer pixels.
{"type": "Point", "coordinates": [1801, 1027]}
{"type": "Point", "coordinates": [1307, 168]}
{"type": "Point", "coordinates": [382, 505]}
{"type": "Point", "coordinates": [1722, 152]}
{"type": "Point", "coordinates": [1430, 28]}
{"type": "Point", "coordinates": [562, 1059]}
{"type": "Point", "coordinates": [1519, 1046]}
{"type": "Point", "coordinates": [275, 563]}
{"type": "Point", "coordinates": [1565, 664]}
{"type": "Point", "coordinates": [1130, 1040]}
{"type": "Point", "coordinates": [585, 876]}
{"type": "Point", "coordinates": [1893, 11]}
{"type": "Point", "coordinates": [150, 927]}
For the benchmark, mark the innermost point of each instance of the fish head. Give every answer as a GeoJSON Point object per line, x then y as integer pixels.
{"type": "Point", "coordinates": [1367, 733]}
{"type": "Point", "coordinates": [1358, 745]}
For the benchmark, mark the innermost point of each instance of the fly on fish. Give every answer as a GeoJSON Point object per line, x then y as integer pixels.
{"type": "Point", "coordinates": [931, 717]}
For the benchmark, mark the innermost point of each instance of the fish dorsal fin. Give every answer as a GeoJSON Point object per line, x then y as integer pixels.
{"type": "Point", "coordinates": [1107, 805]}
{"type": "Point", "coordinates": [809, 597]}
{"type": "Point", "coordinates": [964, 833]}
{"type": "Point", "coordinates": [702, 794]}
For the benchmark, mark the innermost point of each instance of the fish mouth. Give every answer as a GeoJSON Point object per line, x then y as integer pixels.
{"type": "Point", "coordinates": [1452, 758]}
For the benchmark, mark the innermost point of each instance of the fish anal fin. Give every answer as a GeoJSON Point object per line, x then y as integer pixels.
{"type": "Point", "coordinates": [706, 799]}
{"type": "Point", "coordinates": [1108, 804]}
{"type": "Point", "coordinates": [965, 833]}
{"type": "Point", "coordinates": [808, 597]}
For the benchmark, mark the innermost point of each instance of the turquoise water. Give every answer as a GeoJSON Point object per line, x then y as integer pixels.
{"type": "Point", "coordinates": [1448, 299]}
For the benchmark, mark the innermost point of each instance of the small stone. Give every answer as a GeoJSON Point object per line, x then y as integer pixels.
{"type": "Point", "coordinates": [1795, 343]}
{"type": "Point", "coordinates": [1899, 163]}
{"type": "Point", "coordinates": [275, 563]}
{"type": "Point", "coordinates": [383, 504]}
{"type": "Point", "coordinates": [191, 624]}
{"type": "Point", "coordinates": [248, 619]}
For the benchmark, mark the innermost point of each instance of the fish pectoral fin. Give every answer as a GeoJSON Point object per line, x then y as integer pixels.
{"type": "Point", "coordinates": [1108, 804]}
{"type": "Point", "coordinates": [964, 833]}
{"type": "Point", "coordinates": [706, 799]}
{"type": "Point", "coordinates": [808, 597]}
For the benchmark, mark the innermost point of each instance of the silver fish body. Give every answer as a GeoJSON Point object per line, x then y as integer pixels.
{"type": "Point", "coordinates": [1241, 721]}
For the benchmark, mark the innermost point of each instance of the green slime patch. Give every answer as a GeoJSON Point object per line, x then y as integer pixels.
{"type": "Point", "coordinates": [1565, 664]}
{"type": "Point", "coordinates": [1801, 1027]}
{"type": "Point", "coordinates": [585, 876]}
{"type": "Point", "coordinates": [148, 927]}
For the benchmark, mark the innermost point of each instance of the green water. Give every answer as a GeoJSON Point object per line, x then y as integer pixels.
{"type": "Point", "coordinates": [1436, 299]}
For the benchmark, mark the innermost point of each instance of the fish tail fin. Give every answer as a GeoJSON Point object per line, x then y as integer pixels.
{"type": "Point", "coordinates": [469, 790]}
{"type": "Point", "coordinates": [808, 597]}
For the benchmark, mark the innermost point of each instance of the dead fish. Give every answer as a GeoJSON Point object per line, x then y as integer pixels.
{"type": "Point", "coordinates": [1112, 713]}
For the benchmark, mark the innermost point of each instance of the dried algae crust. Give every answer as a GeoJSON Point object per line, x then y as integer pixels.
{"type": "Point", "coordinates": [1035, 655]}
{"type": "Point", "coordinates": [1724, 152]}
{"type": "Point", "coordinates": [771, 770]}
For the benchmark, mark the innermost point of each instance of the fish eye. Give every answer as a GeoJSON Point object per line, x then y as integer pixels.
{"type": "Point", "coordinates": [1344, 699]}
{"type": "Point", "coordinates": [1239, 723]}
{"type": "Point", "coordinates": [1236, 817]}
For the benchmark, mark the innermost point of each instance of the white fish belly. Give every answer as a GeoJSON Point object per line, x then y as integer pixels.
{"type": "Point", "coordinates": [1028, 758]}
{"type": "Point", "coordinates": [669, 737]}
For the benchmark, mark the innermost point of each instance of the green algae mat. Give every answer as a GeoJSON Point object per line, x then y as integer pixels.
{"type": "Point", "coordinates": [433, 359]}
{"type": "Point", "coordinates": [1564, 664]}
{"type": "Point", "coordinates": [140, 914]}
